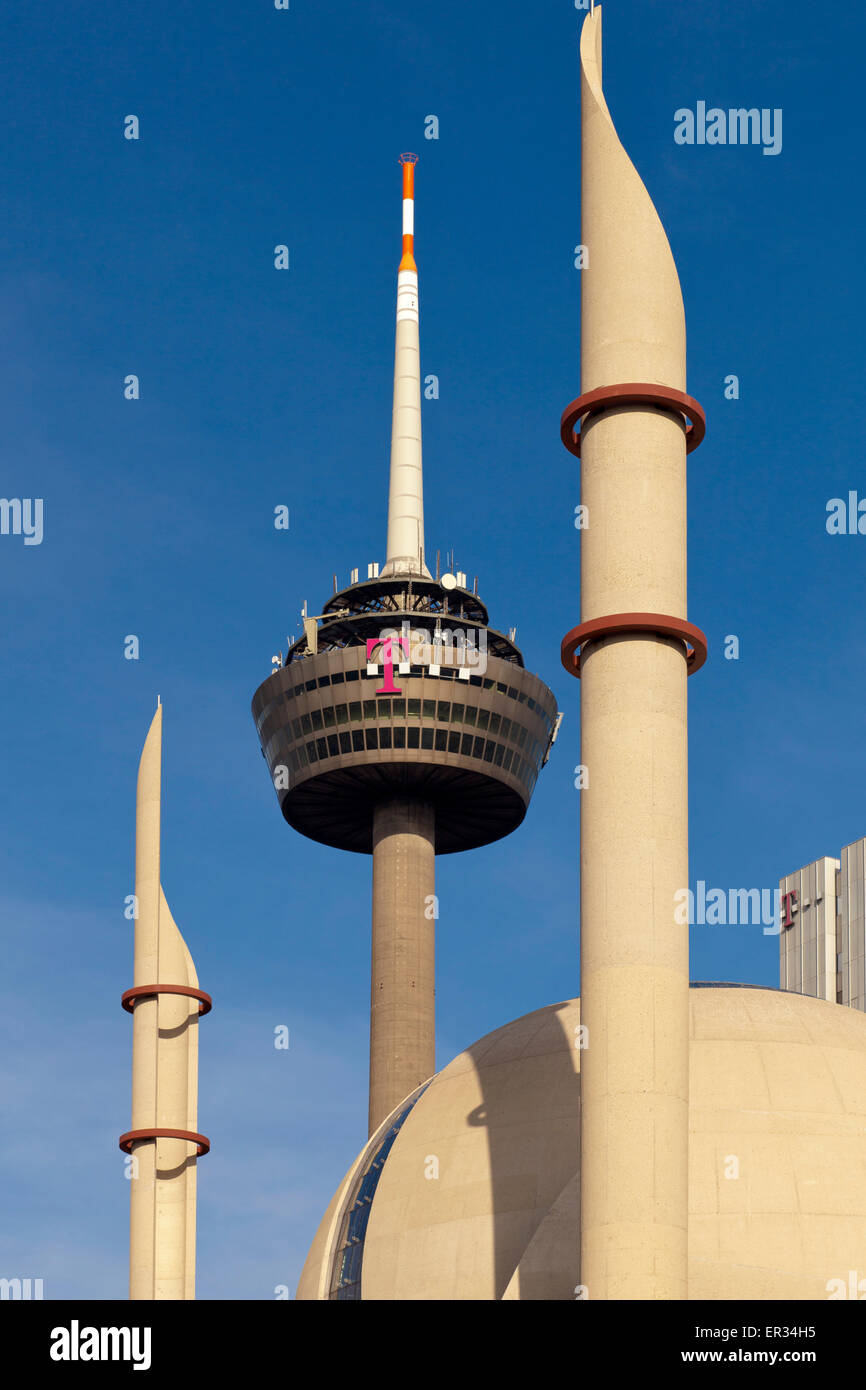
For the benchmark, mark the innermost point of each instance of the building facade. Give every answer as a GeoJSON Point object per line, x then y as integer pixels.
{"type": "Point", "coordinates": [822, 942]}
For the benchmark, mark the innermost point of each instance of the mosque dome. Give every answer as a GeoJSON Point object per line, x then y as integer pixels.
{"type": "Point", "coordinates": [470, 1189]}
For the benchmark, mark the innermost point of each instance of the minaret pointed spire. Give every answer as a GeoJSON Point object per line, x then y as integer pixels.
{"type": "Point", "coordinates": [405, 546]}
{"type": "Point", "coordinates": [636, 425]}
{"type": "Point", "coordinates": [165, 1002]}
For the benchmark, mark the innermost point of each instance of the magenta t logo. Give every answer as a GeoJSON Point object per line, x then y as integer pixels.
{"type": "Point", "coordinates": [789, 899]}
{"type": "Point", "coordinates": [388, 644]}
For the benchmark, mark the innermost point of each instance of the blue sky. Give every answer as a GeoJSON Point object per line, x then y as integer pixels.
{"type": "Point", "coordinates": [261, 388]}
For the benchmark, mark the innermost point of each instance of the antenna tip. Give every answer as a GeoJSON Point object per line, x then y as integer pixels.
{"type": "Point", "coordinates": [408, 159]}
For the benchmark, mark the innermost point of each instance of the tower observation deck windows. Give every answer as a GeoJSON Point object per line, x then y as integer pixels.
{"type": "Point", "coordinates": [467, 716]}
{"type": "Point", "coordinates": [468, 728]}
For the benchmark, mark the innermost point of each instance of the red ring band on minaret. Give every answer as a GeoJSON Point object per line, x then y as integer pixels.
{"type": "Point", "coordinates": [128, 999]}
{"type": "Point", "coordinates": [130, 996]}
{"type": "Point", "coordinates": [622, 623]}
{"type": "Point", "coordinates": [632, 393]}
{"type": "Point", "coordinates": [127, 1140]}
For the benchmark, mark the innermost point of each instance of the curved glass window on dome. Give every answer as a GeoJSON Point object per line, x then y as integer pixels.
{"type": "Point", "coordinates": [346, 1274]}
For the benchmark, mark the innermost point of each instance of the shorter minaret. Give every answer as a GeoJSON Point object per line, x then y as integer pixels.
{"type": "Point", "coordinates": [165, 1003]}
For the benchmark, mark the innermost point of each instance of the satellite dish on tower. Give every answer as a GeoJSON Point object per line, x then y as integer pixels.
{"type": "Point", "coordinates": [448, 581]}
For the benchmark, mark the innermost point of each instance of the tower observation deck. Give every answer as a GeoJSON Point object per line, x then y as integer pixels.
{"type": "Point", "coordinates": [402, 725]}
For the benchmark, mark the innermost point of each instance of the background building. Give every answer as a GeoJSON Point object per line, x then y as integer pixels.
{"type": "Point", "coordinates": [822, 944]}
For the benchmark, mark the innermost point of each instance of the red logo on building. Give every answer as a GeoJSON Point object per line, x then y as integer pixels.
{"type": "Point", "coordinates": [388, 644]}
{"type": "Point", "coordinates": [789, 901]}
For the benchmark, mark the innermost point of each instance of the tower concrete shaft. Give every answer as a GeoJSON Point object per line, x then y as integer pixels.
{"type": "Point", "coordinates": [164, 1068]}
{"type": "Point", "coordinates": [405, 545]}
{"type": "Point", "coordinates": [634, 832]}
{"type": "Point", "coordinates": [402, 1002]}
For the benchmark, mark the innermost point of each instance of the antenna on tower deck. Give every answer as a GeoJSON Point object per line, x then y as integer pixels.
{"type": "Point", "coordinates": [405, 546]}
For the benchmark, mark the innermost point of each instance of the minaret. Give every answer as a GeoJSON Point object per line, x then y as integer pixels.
{"type": "Point", "coordinates": [165, 1003]}
{"type": "Point", "coordinates": [631, 429]}
{"type": "Point", "coordinates": [401, 725]}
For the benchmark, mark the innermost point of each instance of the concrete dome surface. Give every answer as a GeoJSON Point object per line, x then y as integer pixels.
{"type": "Point", "coordinates": [475, 1194]}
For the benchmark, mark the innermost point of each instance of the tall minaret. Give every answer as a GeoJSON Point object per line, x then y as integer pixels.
{"type": "Point", "coordinates": [403, 726]}
{"type": "Point", "coordinates": [165, 1003]}
{"type": "Point", "coordinates": [636, 652]}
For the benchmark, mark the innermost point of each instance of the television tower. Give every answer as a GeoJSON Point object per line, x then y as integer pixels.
{"type": "Point", "coordinates": [402, 725]}
{"type": "Point", "coordinates": [631, 428]}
